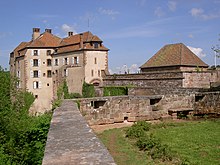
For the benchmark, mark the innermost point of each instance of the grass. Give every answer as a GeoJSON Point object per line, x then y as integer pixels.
{"type": "Point", "coordinates": [122, 149]}
{"type": "Point", "coordinates": [194, 143]}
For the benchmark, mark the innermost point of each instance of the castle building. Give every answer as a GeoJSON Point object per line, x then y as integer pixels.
{"type": "Point", "coordinates": [44, 62]}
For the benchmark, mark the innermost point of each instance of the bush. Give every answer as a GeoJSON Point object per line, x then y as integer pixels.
{"type": "Point", "coordinates": [148, 143]}
{"type": "Point", "coordinates": [115, 91]}
{"type": "Point", "coordinates": [88, 90]}
{"type": "Point", "coordinates": [138, 129]}
{"type": "Point", "coordinates": [74, 95]}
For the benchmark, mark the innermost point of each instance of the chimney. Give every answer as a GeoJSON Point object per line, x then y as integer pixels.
{"type": "Point", "coordinates": [36, 33]}
{"type": "Point", "coordinates": [81, 40]}
{"type": "Point", "coordinates": [70, 34]}
{"type": "Point", "coordinates": [48, 30]}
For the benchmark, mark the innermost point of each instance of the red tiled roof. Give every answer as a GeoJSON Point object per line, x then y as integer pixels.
{"type": "Point", "coordinates": [72, 43]}
{"type": "Point", "coordinates": [174, 55]}
{"type": "Point", "coordinates": [21, 46]}
{"type": "Point", "coordinates": [45, 40]}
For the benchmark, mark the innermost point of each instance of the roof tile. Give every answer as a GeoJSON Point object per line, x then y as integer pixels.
{"type": "Point", "coordinates": [174, 55]}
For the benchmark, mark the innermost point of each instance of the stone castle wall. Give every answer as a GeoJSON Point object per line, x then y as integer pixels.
{"type": "Point", "coordinates": [207, 103]}
{"type": "Point", "coordinates": [108, 110]}
{"type": "Point", "coordinates": [174, 79]}
{"type": "Point", "coordinates": [145, 79]}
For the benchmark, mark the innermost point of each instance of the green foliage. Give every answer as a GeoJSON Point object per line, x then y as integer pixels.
{"type": "Point", "coordinates": [88, 90]}
{"type": "Point", "coordinates": [22, 137]}
{"type": "Point", "coordinates": [115, 91]}
{"type": "Point", "coordinates": [148, 143]}
{"type": "Point", "coordinates": [74, 95]}
{"type": "Point", "coordinates": [65, 90]}
{"type": "Point", "coordinates": [138, 129]}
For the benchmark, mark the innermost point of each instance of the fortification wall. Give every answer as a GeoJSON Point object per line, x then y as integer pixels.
{"type": "Point", "coordinates": [108, 110]}
{"type": "Point", "coordinates": [207, 103]}
{"type": "Point", "coordinates": [173, 79]}
{"type": "Point", "coordinates": [170, 80]}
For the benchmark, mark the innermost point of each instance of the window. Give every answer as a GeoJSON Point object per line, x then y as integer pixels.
{"type": "Point", "coordinates": [36, 74]}
{"type": "Point", "coordinates": [92, 73]}
{"type": "Point", "coordinates": [36, 96]}
{"type": "Point", "coordinates": [44, 74]}
{"type": "Point", "coordinates": [49, 73]}
{"type": "Point", "coordinates": [18, 74]}
{"type": "Point", "coordinates": [18, 84]}
{"type": "Point", "coordinates": [48, 84]}
{"type": "Point", "coordinates": [48, 52]}
{"type": "Point", "coordinates": [65, 72]}
{"type": "Point", "coordinates": [95, 60]}
{"type": "Point", "coordinates": [36, 85]}
{"type": "Point", "coordinates": [96, 45]}
{"type": "Point", "coordinates": [66, 61]}
{"type": "Point", "coordinates": [49, 63]}
{"type": "Point", "coordinates": [56, 62]}
{"type": "Point", "coordinates": [35, 62]}
{"type": "Point", "coordinates": [99, 73]}
{"type": "Point", "coordinates": [35, 52]}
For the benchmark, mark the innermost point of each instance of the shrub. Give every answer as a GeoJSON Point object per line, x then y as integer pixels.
{"type": "Point", "coordinates": [138, 129]}
{"type": "Point", "coordinates": [88, 90]}
{"type": "Point", "coordinates": [74, 95]}
{"type": "Point", "coordinates": [115, 91]}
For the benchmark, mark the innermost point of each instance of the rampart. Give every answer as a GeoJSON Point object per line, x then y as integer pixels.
{"type": "Point", "coordinates": [108, 110]}
{"type": "Point", "coordinates": [172, 79]}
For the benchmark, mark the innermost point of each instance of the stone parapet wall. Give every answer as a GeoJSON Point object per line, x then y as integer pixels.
{"type": "Point", "coordinates": [162, 79]}
{"type": "Point", "coordinates": [198, 79]}
{"type": "Point", "coordinates": [108, 110]}
{"type": "Point", "coordinates": [141, 91]}
{"type": "Point", "coordinates": [207, 103]}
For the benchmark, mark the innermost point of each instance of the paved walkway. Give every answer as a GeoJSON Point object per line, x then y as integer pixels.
{"type": "Point", "coordinates": [71, 141]}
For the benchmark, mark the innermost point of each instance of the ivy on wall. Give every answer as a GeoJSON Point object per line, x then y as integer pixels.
{"type": "Point", "coordinates": [115, 91]}
{"type": "Point", "coordinates": [88, 90]}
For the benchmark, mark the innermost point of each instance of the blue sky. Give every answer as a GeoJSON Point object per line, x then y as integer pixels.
{"type": "Point", "coordinates": [133, 30]}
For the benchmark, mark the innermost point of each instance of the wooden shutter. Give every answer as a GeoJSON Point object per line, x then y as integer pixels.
{"type": "Point", "coordinates": [77, 60]}
{"type": "Point", "coordinates": [40, 84]}
{"type": "Point", "coordinates": [39, 73]}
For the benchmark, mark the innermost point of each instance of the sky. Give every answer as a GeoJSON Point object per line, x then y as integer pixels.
{"type": "Point", "coordinates": [133, 30]}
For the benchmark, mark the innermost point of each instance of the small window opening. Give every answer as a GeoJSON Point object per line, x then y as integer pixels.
{"type": "Point", "coordinates": [98, 104]}
{"type": "Point", "coordinates": [154, 101]}
{"type": "Point", "coordinates": [36, 96]}
{"type": "Point", "coordinates": [125, 119]}
{"type": "Point", "coordinates": [199, 98]}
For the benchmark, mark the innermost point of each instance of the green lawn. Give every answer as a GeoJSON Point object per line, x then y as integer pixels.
{"type": "Point", "coordinates": [196, 142]}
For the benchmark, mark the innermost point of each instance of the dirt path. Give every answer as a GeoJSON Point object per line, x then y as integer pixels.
{"type": "Point", "coordinates": [101, 128]}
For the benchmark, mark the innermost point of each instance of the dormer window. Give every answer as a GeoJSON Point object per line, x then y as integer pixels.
{"type": "Point", "coordinates": [48, 52]}
{"type": "Point", "coordinates": [35, 52]}
{"type": "Point", "coordinates": [96, 45]}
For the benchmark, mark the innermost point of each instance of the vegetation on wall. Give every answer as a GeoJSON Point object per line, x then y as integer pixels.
{"type": "Point", "coordinates": [88, 90]}
{"type": "Point", "coordinates": [22, 137]}
{"type": "Point", "coordinates": [115, 91]}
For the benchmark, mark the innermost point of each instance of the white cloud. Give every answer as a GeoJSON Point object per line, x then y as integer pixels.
{"type": "Point", "coordinates": [197, 51]}
{"type": "Point", "coordinates": [199, 13]}
{"type": "Point", "coordinates": [67, 28]}
{"type": "Point", "coordinates": [172, 5]}
{"type": "Point", "coordinates": [108, 12]}
{"type": "Point", "coordinates": [159, 12]}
